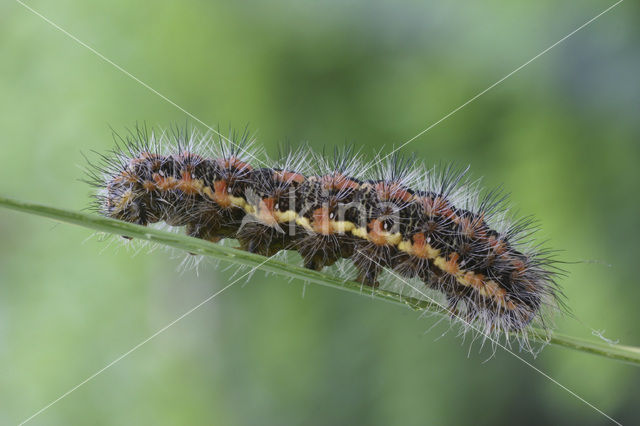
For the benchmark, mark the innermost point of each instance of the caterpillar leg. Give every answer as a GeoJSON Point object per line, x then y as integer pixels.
{"type": "Point", "coordinates": [261, 239]}
{"type": "Point", "coordinates": [319, 250]}
{"type": "Point", "coordinates": [370, 259]}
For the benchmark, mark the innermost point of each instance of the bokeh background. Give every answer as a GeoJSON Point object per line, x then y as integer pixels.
{"type": "Point", "coordinates": [562, 136]}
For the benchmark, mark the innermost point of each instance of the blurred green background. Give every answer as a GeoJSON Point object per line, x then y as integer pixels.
{"type": "Point", "coordinates": [562, 135]}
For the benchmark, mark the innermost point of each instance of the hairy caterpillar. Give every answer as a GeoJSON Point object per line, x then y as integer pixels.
{"type": "Point", "coordinates": [427, 224]}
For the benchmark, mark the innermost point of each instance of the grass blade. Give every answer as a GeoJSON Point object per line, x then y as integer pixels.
{"type": "Point", "coordinates": [179, 241]}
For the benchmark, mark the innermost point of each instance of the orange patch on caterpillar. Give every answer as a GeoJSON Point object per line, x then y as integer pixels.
{"type": "Point", "coordinates": [264, 212]}
{"type": "Point", "coordinates": [473, 227]}
{"type": "Point", "coordinates": [484, 287]}
{"type": "Point", "coordinates": [475, 280]}
{"type": "Point", "coordinates": [489, 289]}
{"type": "Point", "coordinates": [126, 176]}
{"type": "Point", "coordinates": [321, 222]}
{"type": "Point", "coordinates": [146, 155]}
{"type": "Point", "coordinates": [221, 193]}
{"type": "Point", "coordinates": [149, 186]}
{"type": "Point", "coordinates": [376, 234]}
{"type": "Point", "coordinates": [287, 176]}
{"type": "Point", "coordinates": [234, 163]}
{"type": "Point", "coordinates": [392, 191]}
{"type": "Point", "coordinates": [164, 183]}
{"type": "Point", "coordinates": [422, 249]}
{"type": "Point", "coordinates": [498, 245]}
{"type": "Point", "coordinates": [338, 182]}
{"type": "Point", "coordinates": [451, 266]}
{"type": "Point", "coordinates": [519, 268]}
{"type": "Point", "coordinates": [188, 185]}
{"type": "Point", "coordinates": [519, 265]}
{"type": "Point", "coordinates": [437, 206]}
{"type": "Point", "coordinates": [495, 290]}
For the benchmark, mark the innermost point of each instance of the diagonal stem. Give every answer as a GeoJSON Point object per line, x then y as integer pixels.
{"type": "Point", "coordinates": [623, 353]}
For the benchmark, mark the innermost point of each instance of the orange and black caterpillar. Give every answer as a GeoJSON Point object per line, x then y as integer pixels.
{"type": "Point", "coordinates": [423, 224]}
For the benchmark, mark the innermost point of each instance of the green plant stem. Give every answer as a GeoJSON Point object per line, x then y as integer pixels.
{"type": "Point", "coordinates": [193, 245]}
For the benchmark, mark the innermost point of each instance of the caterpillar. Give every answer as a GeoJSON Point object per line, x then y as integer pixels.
{"type": "Point", "coordinates": [429, 224]}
